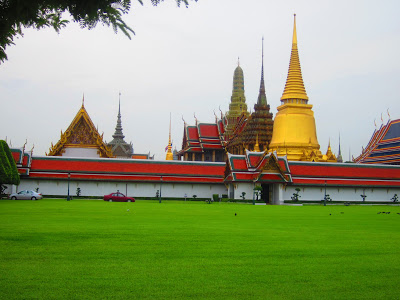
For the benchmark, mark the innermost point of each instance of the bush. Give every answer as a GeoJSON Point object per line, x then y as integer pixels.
{"type": "Point", "coordinates": [8, 169]}
{"type": "Point", "coordinates": [215, 197]}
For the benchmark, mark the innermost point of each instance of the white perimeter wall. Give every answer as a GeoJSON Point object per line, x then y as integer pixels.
{"type": "Point", "coordinates": [81, 152]}
{"type": "Point", "coordinates": [239, 188]}
{"type": "Point", "coordinates": [339, 193]}
{"type": "Point", "coordinates": [101, 188]}
{"type": "Point", "coordinates": [280, 193]}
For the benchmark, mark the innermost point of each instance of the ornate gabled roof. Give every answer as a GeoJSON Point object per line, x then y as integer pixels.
{"type": "Point", "coordinates": [118, 146]}
{"type": "Point", "coordinates": [257, 167]}
{"type": "Point", "coordinates": [384, 145]}
{"type": "Point", "coordinates": [81, 133]}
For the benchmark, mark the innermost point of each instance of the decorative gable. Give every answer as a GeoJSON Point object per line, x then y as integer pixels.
{"type": "Point", "coordinates": [81, 133]}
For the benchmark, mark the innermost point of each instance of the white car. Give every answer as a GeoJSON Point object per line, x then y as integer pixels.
{"type": "Point", "coordinates": [26, 195]}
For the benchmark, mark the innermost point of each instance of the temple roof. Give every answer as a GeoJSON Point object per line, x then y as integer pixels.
{"type": "Point", "coordinates": [203, 136]}
{"type": "Point", "coordinates": [294, 88]}
{"type": "Point", "coordinates": [384, 145]}
{"type": "Point", "coordinates": [81, 133]}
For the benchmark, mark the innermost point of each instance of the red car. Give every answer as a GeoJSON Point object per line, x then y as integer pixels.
{"type": "Point", "coordinates": [118, 197]}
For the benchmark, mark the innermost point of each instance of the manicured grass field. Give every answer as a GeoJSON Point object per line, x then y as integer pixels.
{"type": "Point", "coordinates": [86, 249]}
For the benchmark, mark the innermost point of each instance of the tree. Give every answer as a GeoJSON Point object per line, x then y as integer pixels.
{"type": "Point", "coordinates": [8, 169]}
{"type": "Point", "coordinates": [17, 14]}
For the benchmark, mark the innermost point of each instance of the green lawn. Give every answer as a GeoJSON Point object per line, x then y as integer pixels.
{"type": "Point", "coordinates": [96, 249]}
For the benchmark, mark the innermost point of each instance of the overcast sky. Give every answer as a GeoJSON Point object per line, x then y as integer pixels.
{"type": "Point", "coordinates": [181, 61]}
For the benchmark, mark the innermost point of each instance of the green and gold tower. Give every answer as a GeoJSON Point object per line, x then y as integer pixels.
{"type": "Point", "coordinates": [238, 105]}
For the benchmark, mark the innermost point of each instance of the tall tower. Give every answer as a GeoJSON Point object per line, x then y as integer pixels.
{"type": "Point", "coordinates": [294, 131]}
{"type": "Point", "coordinates": [257, 131]}
{"type": "Point", "coordinates": [119, 147]}
{"type": "Point", "coordinates": [238, 105]}
{"type": "Point", "coordinates": [170, 155]}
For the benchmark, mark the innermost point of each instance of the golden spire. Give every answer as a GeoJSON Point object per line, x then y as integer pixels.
{"type": "Point", "coordinates": [256, 146]}
{"type": "Point", "coordinates": [169, 155]}
{"type": "Point", "coordinates": [294, 88]}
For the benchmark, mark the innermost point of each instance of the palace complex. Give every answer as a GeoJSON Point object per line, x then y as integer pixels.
{"type": "Point", "coordinates": [237, 155]}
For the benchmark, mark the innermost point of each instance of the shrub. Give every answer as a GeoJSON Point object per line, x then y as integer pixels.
{"type": "Point", "coordinates": [8, 169]}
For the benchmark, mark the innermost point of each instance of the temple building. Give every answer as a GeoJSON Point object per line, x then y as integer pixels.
{"type": "Point", "coordinates": [255, 132]}
{"type": "Point", "coordinates": [120, 148]}
{"type": "Point", "coordinates": [384, 145]}
{"type": "Point", "coordinates": [204, 142]}
{"type": "Point", "coordinates": [294, 131]}
{"type": "Point", "coordinates": [238, 106]}
{"type": "Point", "coordinates": [81, 139]}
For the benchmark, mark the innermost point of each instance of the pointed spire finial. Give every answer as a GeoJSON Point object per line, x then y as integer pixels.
{"type": "Point", "coordinates": [294, 88]}
{"type": "Point", "coordinates": [119, 104]}
{"type": "Point", "coordinates": [294, 31]}
{"type": "Point", "coordinates": [262, 98]}
{"type": "Point", "coordinates": [169, 155]}
{"type": "Point", "coordinates": [238, 61]}
{"type": "Point", "coordinates": [83, 100]}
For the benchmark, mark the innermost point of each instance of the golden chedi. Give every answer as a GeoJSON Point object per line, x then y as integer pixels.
{"type": "Point", "coordinates": [294, 132]}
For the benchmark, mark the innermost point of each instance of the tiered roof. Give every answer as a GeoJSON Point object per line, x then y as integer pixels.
{"type": "Point", "coordinates": [269, 168]}
{"type": "Point", "coordinates": [257, 167]}
{"type": "Point", "coordinates": [203, 136]}
{"type": "Point", "coordinates": [384, 145]}
{"type": "Point", "coordinates": [126, 170]}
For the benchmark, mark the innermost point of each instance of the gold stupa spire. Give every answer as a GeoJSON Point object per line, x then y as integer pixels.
{"type": "Point", "coordinates": [169, 155]}
{"type": "Point", "coordinates": [294, 88]}
{"type": "Point", "coordinates": [257, 146]}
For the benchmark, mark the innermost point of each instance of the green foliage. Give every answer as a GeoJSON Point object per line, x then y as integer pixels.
{"type": "Point", "coordinates": [194, 197]}
{"type": "Point", "coordinates": [395, 198]}
{"type": "Point", "coordinates": [16, 15]}
{"type": "Point", "coordinates": [243, 195]}
{"type": "Point", "coordinates": [215, 197]}
{"type": "Point", "coordinates": [76, 249]}
{"type": "Point", "coordinates": [296, 195]}
{"type": "Point", "coordinates": [8, 169]}
{"type": "Point", "coordinates": [78, 191]}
